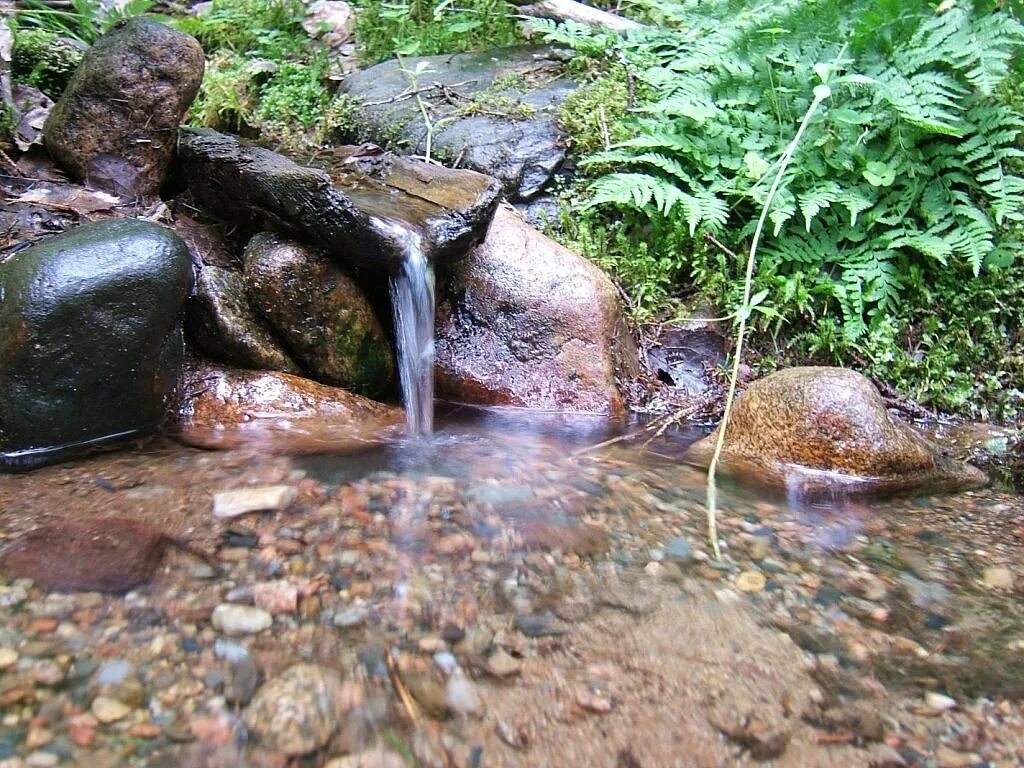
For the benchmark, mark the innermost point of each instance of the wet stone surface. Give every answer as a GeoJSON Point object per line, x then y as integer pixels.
{"type": "Point", "coordinates": [496, 596]}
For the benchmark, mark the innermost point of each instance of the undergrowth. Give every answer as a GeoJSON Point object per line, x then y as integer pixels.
{"type": "Point", "coordinates": [893, 239]}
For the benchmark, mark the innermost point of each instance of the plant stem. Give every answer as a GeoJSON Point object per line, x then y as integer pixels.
{"type": "Point", "coordinates": [820, 94]}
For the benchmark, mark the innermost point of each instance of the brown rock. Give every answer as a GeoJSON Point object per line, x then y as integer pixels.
{"type": "Point", "coordinates": [115, 125]}
{"type": "Point", "coordinates": [816, 428]}
{"type": "Point", "coordinates": [526, 322]}
{"type": "Point", "coordinates": [276, 412]}
{"type": "Point", "coordinates": [320, 313]}
{"type": "Point", "coordinates": [298, 712]}
{"type": "Point", "coordinates": [112, 555]}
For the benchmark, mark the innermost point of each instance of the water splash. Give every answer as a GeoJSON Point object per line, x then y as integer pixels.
{"type": "Point", "coordinates": [412, 300]}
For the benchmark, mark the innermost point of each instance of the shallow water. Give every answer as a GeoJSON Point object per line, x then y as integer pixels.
{"type": "Point", "coordinates": [576, 549]}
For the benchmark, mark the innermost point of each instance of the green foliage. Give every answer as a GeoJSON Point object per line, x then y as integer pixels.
{"type": "Point", "coordinates": [82, 20]}
{"type": "Point", "coordinates": [44, 61]}
{"type": "Point", "coordinates": [908, 175]}
{"type": "Point", "coordinates": [295, 93]}
{"type": "Point", "coordinates": [421, 27]}
{"type": "Point", "coordinates": [593, 114]}
{"type": "Point", "coordinates": [267, 30]}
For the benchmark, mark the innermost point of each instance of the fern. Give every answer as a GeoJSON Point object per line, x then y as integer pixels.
{"type": "Point", "coordinates": [914, 165]}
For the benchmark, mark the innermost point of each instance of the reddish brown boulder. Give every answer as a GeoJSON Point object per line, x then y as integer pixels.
{"type": "Point", "coordinates": [526, 322]}
{"type": "Point", "coordinates": [277, 412]}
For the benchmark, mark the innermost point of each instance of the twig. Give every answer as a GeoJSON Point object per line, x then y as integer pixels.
{"type": "Point", "coordinates": [721, 246]}
{"type": "Point", "coordinates": [403, 692]}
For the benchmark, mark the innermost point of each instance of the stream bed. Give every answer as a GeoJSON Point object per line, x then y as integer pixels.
{"type": "Point", "coordinates": [515, 591]}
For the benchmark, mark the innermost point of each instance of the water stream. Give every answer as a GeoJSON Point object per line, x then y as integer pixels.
{"type": "Point", "coordinates": [412, 300]}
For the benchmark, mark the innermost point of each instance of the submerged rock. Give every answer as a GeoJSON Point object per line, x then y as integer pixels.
{"type": "Point", "coordinates": [111, 555]}
{"type": "Point", "coordinates": [278, 413]}
{"type": "Point", "coordinates": [814, 429]}
{"type": "Point", "coordinates": [90, 338]}
{"type": "Point", "coordinates": [115, 125]}
{"type": "Point", "coordinates": [526, 322]}
{"type": "Point", "coordinates": [298, 712]}
{"type": "Point", "coordinates": [504, 123]}
{"type": "Point", "coordinates": [224, 326]}
{"type": "Point", "coordinates": [322, 315]}
{"type": "Point", "coordinates": [362, 221]}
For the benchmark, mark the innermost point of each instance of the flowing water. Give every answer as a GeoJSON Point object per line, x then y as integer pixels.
{"type": "Point", "coordinates": [412, 300]}
{"type": "Point", "coordinates": [523, 590]}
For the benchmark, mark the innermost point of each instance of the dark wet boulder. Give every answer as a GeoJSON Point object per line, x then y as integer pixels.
{"type": "Point", "coordinates": [321, 314]}
{"type": "Point", "coordinates": [223, 325]}
{"type": "Point", "coordinates": [90, 338]}
{"type": "Point", "coordinates": [224, 408]}
{"type": "Point", "coordinates": [116, 123]}
{"type": "Point", "coordinates": [526, 322]}
{"type": "Point", "coordinates": [504, 121]}
{"type": "Point", "coordinates": [818, 429]}
{"type": "Point", "coordinates": [356, 218]}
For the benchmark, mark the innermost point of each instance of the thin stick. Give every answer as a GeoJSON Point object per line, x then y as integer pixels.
{"type": "Point", "coordinates": [403, 692]}
{"type": "Point", "coordinates": [821, 93]}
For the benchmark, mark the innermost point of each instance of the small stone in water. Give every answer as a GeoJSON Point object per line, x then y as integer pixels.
{"type": "Point", "coordinates": [350, 617]}
{"type": "Point", "coordinates": [678, 549]}
{"type": "Point", "coordinates": [113, 672]}
{"type": "Point", "coordinates": [462, 697]}
{"type": "Point", "coordinates": [229, 651]}
{"type": "Point", "coordinates": [939, 701]}
{"type": "Point", "coordinates": [108, 710]}
{"type": "Point", "coordinates": [269, 498]}
{"type": "Point", "coordinates": [446, 662]}
{"type": "Point", "coordinates": [276, 596]}
{"type": "Point", "coordinates": [234, 619]}
{"type": "Point", "coordinates": [8, 658]}
{"type": "Point", "coordinates": [998, 577]}
{"type": "Point", "coordinates": [750, 581]}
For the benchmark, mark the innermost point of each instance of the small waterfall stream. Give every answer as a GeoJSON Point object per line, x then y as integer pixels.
{"type": "Point", "coordinates": [412, 299]}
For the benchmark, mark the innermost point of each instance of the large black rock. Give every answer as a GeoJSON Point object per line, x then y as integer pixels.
{"type": "Point", "coordinates": [90, 338]}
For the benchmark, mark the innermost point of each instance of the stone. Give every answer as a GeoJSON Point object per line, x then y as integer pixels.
{"type": "Point", "coordinates": [297, 712]}
{"type": "Point", "coordinates": [816, 429]}
{"type": "Point", "coordinates": [377, 757]}
{"type": "Point", "coordinates": [750, 581]}
{"type": "Point", "coordinates": [329, 21]}
{"type": "Point", "coordinates": [225, 408]}
{"type": "Point", "coordinates": [938, 701]}
{"type": "Point", "coordinates": [8, 658]}
{"type": "Point", "coordinates": [526, 322]}
{"type": "Point", "coordinates": [276, 597]}
{"type": "Point", "coordinates": [462, 697]}
{"type": "Point", "coordinates": [269, 498]}
{"type": "Point", "coordinates": [224, 326]}
{"type": "Point", "coordinates": [322, 315]}
{"type": "Point", "coordinates": [354, 216]}
{"type": "Point", "coordinates": [998, 578]}
{"type": "Point", "coordinates": [107, 710]}
{"type": "Point", "coordinates": [682, 355]}
{"type": "Point", "coordinates": [233, 619]}
{"type": "Point", "coordinates": [115, 125]}
{"type": "Point", "coordinates": [679, 549]}
{"type": "Point", "coordinates": [111, 555]}
{"type": "Point", "coordinates": [523, 150]}
{"type": "Point", "coordinates": [90, 339]}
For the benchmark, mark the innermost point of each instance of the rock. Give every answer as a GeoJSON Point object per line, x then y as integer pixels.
{"type": "Point", "coordinates": [107, 710]}
{"type": "Point", "coordinates": [378, 757]}
{"type": "Point", "coordinates": [270, 498]}
{"type": "Point", "coordinates": [329, 21]}
{"type": "Point", "coordinates": [298, 712]}
{"type": "Point", "coordinates": [678, 548]}
{"type": "Point", "coordinates": [322, 315]}
{"type": "Point", "coordinates": [232, 619]}
{"type": "Point", "coordinates": [814, 429]}
{"type": "Point", "coordinates": [502, 664]}
{"type": "Point", "coordinates": [524, 321]}
{"type": "Point", "coordinates": [998, 578]}
{"type": "Point", "coordinates": [277, 412]}
{"type": "Point", "coordinates": [522, 147]}
{"type": "Point", "coordinates": [222, 323]}
{"type": "Point", "coordinates": [8, 658]}
{"type": "Point", "coordinates": [110, 555]}
{"type": "Point", "coordinates": [682, 356]}
{"type": "Point", "coordinates": [750, 581]}
{"type": "Point", "coordinates": [276, 596]}
{"type": "Point", "coordinates": [348, 214]}
{"type": "Point", "coordinates": [938, 701]}
{"type": "Point", "coordinates": [115, 125]}
{"type": "Point", "coordinates": [462, 697]}
{"type": "Point", "coordinates": [90, 340]}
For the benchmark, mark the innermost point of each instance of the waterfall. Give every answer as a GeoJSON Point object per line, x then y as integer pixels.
{"type": "Point", "coordinates": [412, 300]}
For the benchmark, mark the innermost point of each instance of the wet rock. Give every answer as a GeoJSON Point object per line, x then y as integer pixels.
{"type": "Point", "coordinates": [329, 21]}
{"type": "Point", "coordinates": [277, 412]}
{"type": "Point", "coordinates": [107, 710]}
{"type": "Point", "coordinates": [512, 134]}
{"type": "Point", "coordinates": [109, 555]}
{"type": "Point", "coordinates": [352, 219]}
{"type": "Point", "coordinates": [998, 578]}
{"type": "Point", "coordinates": [524, 321]}
{"type": "Point", "coordinates": [322, 315]}
{"type": "Point", "coordinates": [683, 356]}
{"type": "Point", "coordinates": [222, 323]}
{"type": "Point", "coordinates": [378, 757]}
{"type": "Point", "coordinates": [115, 124]}
{"type": "Point", "coordinates": [298, 712]}
{"type": "Point", "coordinates": [276, 597]}
{"type": "Point", "coordinates": [813, 429]}
{"type": "Point", "coordinates": [232, 619]}
{"type": "Point", "coordinates": [90, 340]}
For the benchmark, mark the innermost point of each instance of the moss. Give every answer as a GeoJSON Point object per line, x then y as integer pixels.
{"type": "Point", "coordinates": [227, 97]}
{"type": "Point", "coordinates": [295, 93]}
{"type": "Point", "coordinates": [44, 60]}
{"type": "Point", "coordinates": [593, 114]}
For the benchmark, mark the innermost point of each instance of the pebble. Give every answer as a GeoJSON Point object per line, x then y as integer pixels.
{"type": "Point", "coordinates": [446, 662]}
{"type": "Point", "coordinates": [939, 701]}
{"type": "Point", "coordinates": [678, 549]}
{"type": "Point", "coordinates": [372, 758]}
{"type": "Point", "coordinates": [276, 597]}
{"type": "Point", "coordinates": [759, 548]}
{"type": "Point", "coordinates": [8, 658]}
{"type": "Point", "coordinates": [503, 664]}
{"type": "Point", "coordinates": [113, 672]}
{"type": "Point", "coordinates": [750, 581]}
{"type": "Point", "coordinates": [998, 578]}
{"type": "Point", "coordinates": [41, 759]}
{"type": "Point", "coordinates": [462, 697]}
{"type": "Point", "coordinates": [350, 617]}
{"type": "Point", "coordinates": [107, 710]}
{"type": "Point", "coordinates": [232, 619]}
{"type": "Point", "coordinates": [271, 498]}
{"type": "Point", "coordinates": [297, 712]}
